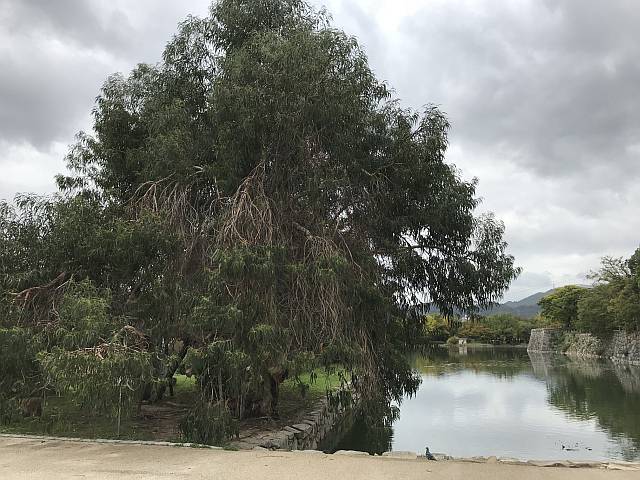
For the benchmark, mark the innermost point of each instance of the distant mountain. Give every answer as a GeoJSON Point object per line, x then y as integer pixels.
{"type": "Point", "coordinates": [526, 308]}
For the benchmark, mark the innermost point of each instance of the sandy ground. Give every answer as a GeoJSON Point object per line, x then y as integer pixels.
{"type": "Point", "coordinates": [25, 458]}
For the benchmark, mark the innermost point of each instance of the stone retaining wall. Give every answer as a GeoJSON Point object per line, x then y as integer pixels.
{"type": "Point", "coordinates": [306, 434]}
{"type": "Point", "coordinates": [543, 340]}
{"type": "Point", "coordinates": [583, 345]}
{"type": "Point", "coordinates": [623, 347]}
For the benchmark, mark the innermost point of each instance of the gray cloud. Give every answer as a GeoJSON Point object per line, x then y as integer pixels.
{"type": "Point", "coordinates": [553, 83]}
{"type": "Point", "coordinates": [542, 95]}
{"type": "Point", "coordinates": [54, 56]}
{"type": "Point", "coordinates": [542, 98]}
{"type": "Point", "coordinates": [45, 93]}
{"type": "Point", "coordinates": [68, 21]}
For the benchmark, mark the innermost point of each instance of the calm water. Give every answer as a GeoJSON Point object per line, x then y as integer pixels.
{"type": "Point", "coordinates": [505, 402]}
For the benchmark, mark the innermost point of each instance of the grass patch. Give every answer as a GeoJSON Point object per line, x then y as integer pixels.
{"type": "Point", "coordinates": [312, 385]}
{"type": "Point", "coordinates": [185, 388]}
{"type": "Point", "coordinates": [299, 394]}
{"type": "Point", "coordinates": [64, 418]}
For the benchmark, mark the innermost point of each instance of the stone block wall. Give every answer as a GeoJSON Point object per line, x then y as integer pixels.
{"type": "Point", "coordinates": [543, 340]}
{"type": "Point", "coordinates": [583, 345]}
{"type": "Point", "coordinates": [624, 347]}
{"type": "Point", "coordinates": [306, 434]}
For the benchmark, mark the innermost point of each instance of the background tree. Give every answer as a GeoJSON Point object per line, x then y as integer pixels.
{"type": "Point", "coordinates": [436, 328]}
{"type": "Point", "coordinates": [614, 301]}
{"type": "Point", "coordinates": [562, 305]}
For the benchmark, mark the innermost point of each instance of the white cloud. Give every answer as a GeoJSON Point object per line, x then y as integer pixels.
{"type": "Point", "coordinates": [25, 169]}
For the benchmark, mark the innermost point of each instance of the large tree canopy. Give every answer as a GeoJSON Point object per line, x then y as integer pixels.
{"type": "Point", "coordinates": [260, 195]}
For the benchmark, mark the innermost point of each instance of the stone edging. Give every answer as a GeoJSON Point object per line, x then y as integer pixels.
{"type": "Point", "coordinates": [307, 434]}
{"type": "Point", "coordinates": [618, 465]}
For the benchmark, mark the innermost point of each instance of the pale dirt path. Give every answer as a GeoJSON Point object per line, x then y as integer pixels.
{"type": "Point", "coordinates": [22, 458]}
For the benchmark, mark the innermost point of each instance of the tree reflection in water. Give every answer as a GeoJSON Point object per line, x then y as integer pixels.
{"type": "Point", "coordinates": [547, 400]}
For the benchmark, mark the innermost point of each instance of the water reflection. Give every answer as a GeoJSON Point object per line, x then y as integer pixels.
{"type": "Point", "coordinates": [505, 402]}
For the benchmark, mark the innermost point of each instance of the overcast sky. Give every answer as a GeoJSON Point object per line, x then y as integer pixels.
{"type": "Point", "coordinates": [543, 96]}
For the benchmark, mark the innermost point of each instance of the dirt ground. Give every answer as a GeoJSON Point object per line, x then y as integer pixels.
{"type": "Point", "coordinates": [158, 421]}
{"type": "Point", "coordinates": [29, 458]}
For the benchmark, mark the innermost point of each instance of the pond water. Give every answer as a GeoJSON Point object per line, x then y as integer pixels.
{"type": "Point", "coordinates": [506, 402]}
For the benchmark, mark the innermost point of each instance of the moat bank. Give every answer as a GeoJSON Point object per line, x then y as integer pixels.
{"type": "Point", "coordinates": [622, 347]}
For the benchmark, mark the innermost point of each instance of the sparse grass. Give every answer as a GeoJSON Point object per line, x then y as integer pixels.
{"type": "Point", "coordinates": [62, 417]}
{"type": "Point", "coordinates": [185, 388]}
{"type": "Point", "coordinates": [292, 399]}
{"type": "Point", "coordinates": [324, 381]}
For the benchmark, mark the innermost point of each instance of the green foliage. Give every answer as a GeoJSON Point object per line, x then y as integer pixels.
{"type": "Point", "coordinates": [614, 302]}
{"type": "Point", "coordinates": [501, 329]}
{"type": "Point", "coordinates": [561, 306]}
{"type": "Point", "coordinates": [223, 372]}
{"type": "Point", "coordinates": [106, 380]}
{"type": "Point", "coordinates": [593, 312]}
{"type": "Point", "coordinates": [544, 322]}
{"type": "Point", "coordinates": [475, 331]}
{"type": "Point", "coordinates": [453, 340]}
{"type": "Point", "coordinates": [508, 329]}
{"type": "Point", "coordinates": [436, 328]}
{"type": "Point", "coordinates": [208, 424]}
{"type": "Point", "coordinates": [84, 319]}
{"type": "Point", "coordinates": [18, 359]}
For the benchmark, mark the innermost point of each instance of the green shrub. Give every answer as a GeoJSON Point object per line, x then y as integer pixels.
{"type": "Point", "coordinates": [104, 380]}
{"type": "Point", "coordinates": [208, 424]}
{"type": "Point", "coordinates": [561, 305]}
{"type": "Point", "coordinates": [593, 312]}
{"type": "Point", "coordinates": [453, 340]}
{"type": "Point", "coordinates": [84, 319]}
{"type": "Point", "coordinates": [9, 410]}
{"type": "Point", "coordinates": [18, 363]}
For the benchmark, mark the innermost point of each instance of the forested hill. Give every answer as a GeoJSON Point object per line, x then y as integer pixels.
{"type": "Point", "coordinates": [526, 308]}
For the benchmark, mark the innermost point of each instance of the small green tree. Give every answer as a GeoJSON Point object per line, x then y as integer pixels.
{"type": "Point", "coordinates": [436, 327]}
{"type": "Point", "coordinates": [106, 379]}
{"type": "Point", "coordinates": [19, 373]}
{"type": "Point", "coordinates": [505, 328]}
{"type": "Point", "coordinates": [562, 305]}
{"type": "Point", "coordinates": [593, 312]}
{"type": "Point", "coordinates": [625, 303]}
{"type": "Point", "coordinates": [476, 331]}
